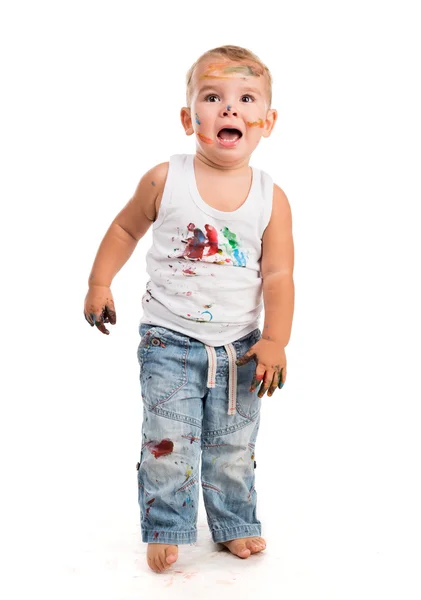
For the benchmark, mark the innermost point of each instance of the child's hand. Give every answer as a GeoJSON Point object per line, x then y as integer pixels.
{"type": "Point", "coordinates": [99, 307]}
{"type": "Point", "coordinates": [271, 365]}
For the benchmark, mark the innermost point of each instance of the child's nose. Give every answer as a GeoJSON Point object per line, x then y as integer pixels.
{"type": "Point", "coordinates": [228, 111]}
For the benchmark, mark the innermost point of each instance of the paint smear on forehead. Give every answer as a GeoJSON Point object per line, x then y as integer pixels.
{"type": "Point", "coordinates": [224, 70]}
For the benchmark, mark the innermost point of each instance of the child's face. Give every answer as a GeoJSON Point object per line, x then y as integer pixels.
{"type": "Point", "coordinates": [228, 94]}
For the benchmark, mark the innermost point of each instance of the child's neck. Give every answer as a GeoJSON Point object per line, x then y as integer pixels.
{"type": "Point", "coordinates": [241, 165]}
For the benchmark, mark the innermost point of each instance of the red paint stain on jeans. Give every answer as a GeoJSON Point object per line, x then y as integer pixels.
{"type": "Point", "coordinates": [159, 449]}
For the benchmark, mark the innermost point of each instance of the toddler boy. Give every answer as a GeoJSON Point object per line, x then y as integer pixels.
{"type": "Point", "coordinates": [222, 240]}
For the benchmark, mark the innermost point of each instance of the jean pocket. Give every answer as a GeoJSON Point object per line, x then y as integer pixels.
{"type": "Point", "coordinates": [163, 359]}
{"type": "Point", "coordinates": [248, 403]}
{"type": "Point", "coordinates": [147, 335]}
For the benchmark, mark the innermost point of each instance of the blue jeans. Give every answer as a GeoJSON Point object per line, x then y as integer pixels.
{"type": "Point", "coordinates": [185, 417]}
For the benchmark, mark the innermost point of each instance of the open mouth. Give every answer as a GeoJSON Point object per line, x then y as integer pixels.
{"type": "Point", "coordinates": [229, 134]}
{"type": "Point", "coordinates": [229, 137]}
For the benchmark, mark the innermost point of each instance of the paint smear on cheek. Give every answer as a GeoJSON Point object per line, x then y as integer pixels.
{"type": "Point", "coordinates": [259, 123]}
{"type": "Point", "coordinates": [197, 119]}
{"type": "Point", "coordinates": [204, 138]}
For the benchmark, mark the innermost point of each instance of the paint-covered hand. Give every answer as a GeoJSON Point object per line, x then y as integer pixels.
{"type": "Point", "coordinates": [271, 369]}
{"type": "Point", "coordinates": [99, 307]}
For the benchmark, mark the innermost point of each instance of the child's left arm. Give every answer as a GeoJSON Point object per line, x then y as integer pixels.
{"type": "Point", "coordinates": [277, 265]}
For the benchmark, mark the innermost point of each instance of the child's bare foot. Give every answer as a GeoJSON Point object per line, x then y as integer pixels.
{"type": "Point", "coordinates": [161, 556]}
{"type": "Point", "coordinates": [243, 547]}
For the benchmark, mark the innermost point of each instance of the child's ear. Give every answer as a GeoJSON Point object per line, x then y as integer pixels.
{"type": "Point", "coordinates": [271, 117]}
{"type": "Point", "coordinates": [186, 120]}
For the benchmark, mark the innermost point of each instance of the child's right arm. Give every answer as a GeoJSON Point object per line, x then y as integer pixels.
{"type": "Point", "coordinates": [118, 244]}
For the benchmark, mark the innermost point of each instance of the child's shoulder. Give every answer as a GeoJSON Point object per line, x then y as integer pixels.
{"type": "Point", "coordinates": [142, 208]}
{"type": "Point", "coordinates": [153, 181]}
{"type": "Point", "coordinates": [158, 173]}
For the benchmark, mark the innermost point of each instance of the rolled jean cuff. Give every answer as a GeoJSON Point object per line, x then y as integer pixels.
{"type": "Point", "coordinates": [232, 533]}
{"type": "Point", "coordinates": [168, 537]}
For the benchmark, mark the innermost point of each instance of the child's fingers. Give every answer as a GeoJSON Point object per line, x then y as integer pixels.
{"type": "Point", "coordinates": [274, 383]}
{"type": "Point", "coordinates": [99, 312]}
{"type": "Point", "coordinates": [257, 378]}
{"type": "Point", "coordinates": [111, 315]}
{"type": "Point", "coordinates": [280, 384]}
{"type": "Point", "coordinates": [267, 379]}
{"type": "Point", "coordinates": [100, 325]}
{"type": "Point", "coordinates": [88, 319]}
{"type": "Point", "coordinates": [98, 321]}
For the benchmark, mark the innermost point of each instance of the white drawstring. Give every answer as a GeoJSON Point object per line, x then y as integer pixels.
{"type": "Point", "coordinates": [232, 382]}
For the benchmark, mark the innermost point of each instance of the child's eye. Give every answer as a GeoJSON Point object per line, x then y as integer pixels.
{"type": "Point", "coordinates": [248, 96]}
{"type": "Point", "coordinates": [211, 96]}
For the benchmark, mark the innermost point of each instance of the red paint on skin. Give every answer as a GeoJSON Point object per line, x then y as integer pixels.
{"type": "Point", "coordinates": [162, 448]}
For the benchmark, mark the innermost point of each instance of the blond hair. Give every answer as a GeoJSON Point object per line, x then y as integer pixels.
{"type": "Point", "coordinates": [236, 53]}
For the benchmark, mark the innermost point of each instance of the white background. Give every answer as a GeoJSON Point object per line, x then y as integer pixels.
{"type": "Point", "coordinates": [91, 95]}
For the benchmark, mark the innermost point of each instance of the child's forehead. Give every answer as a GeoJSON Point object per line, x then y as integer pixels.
{"type": "Point", "coordinates": [220, 70]}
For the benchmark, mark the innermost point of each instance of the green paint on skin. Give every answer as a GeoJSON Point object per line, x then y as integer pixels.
{"type": "Point", "coordinates": [153, 183]}
{"type": "Point", "coordinates": [243, 70]}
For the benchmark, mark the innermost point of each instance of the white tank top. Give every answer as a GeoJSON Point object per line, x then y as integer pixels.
{"type": "Point", "coordinates": [204, 263]}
